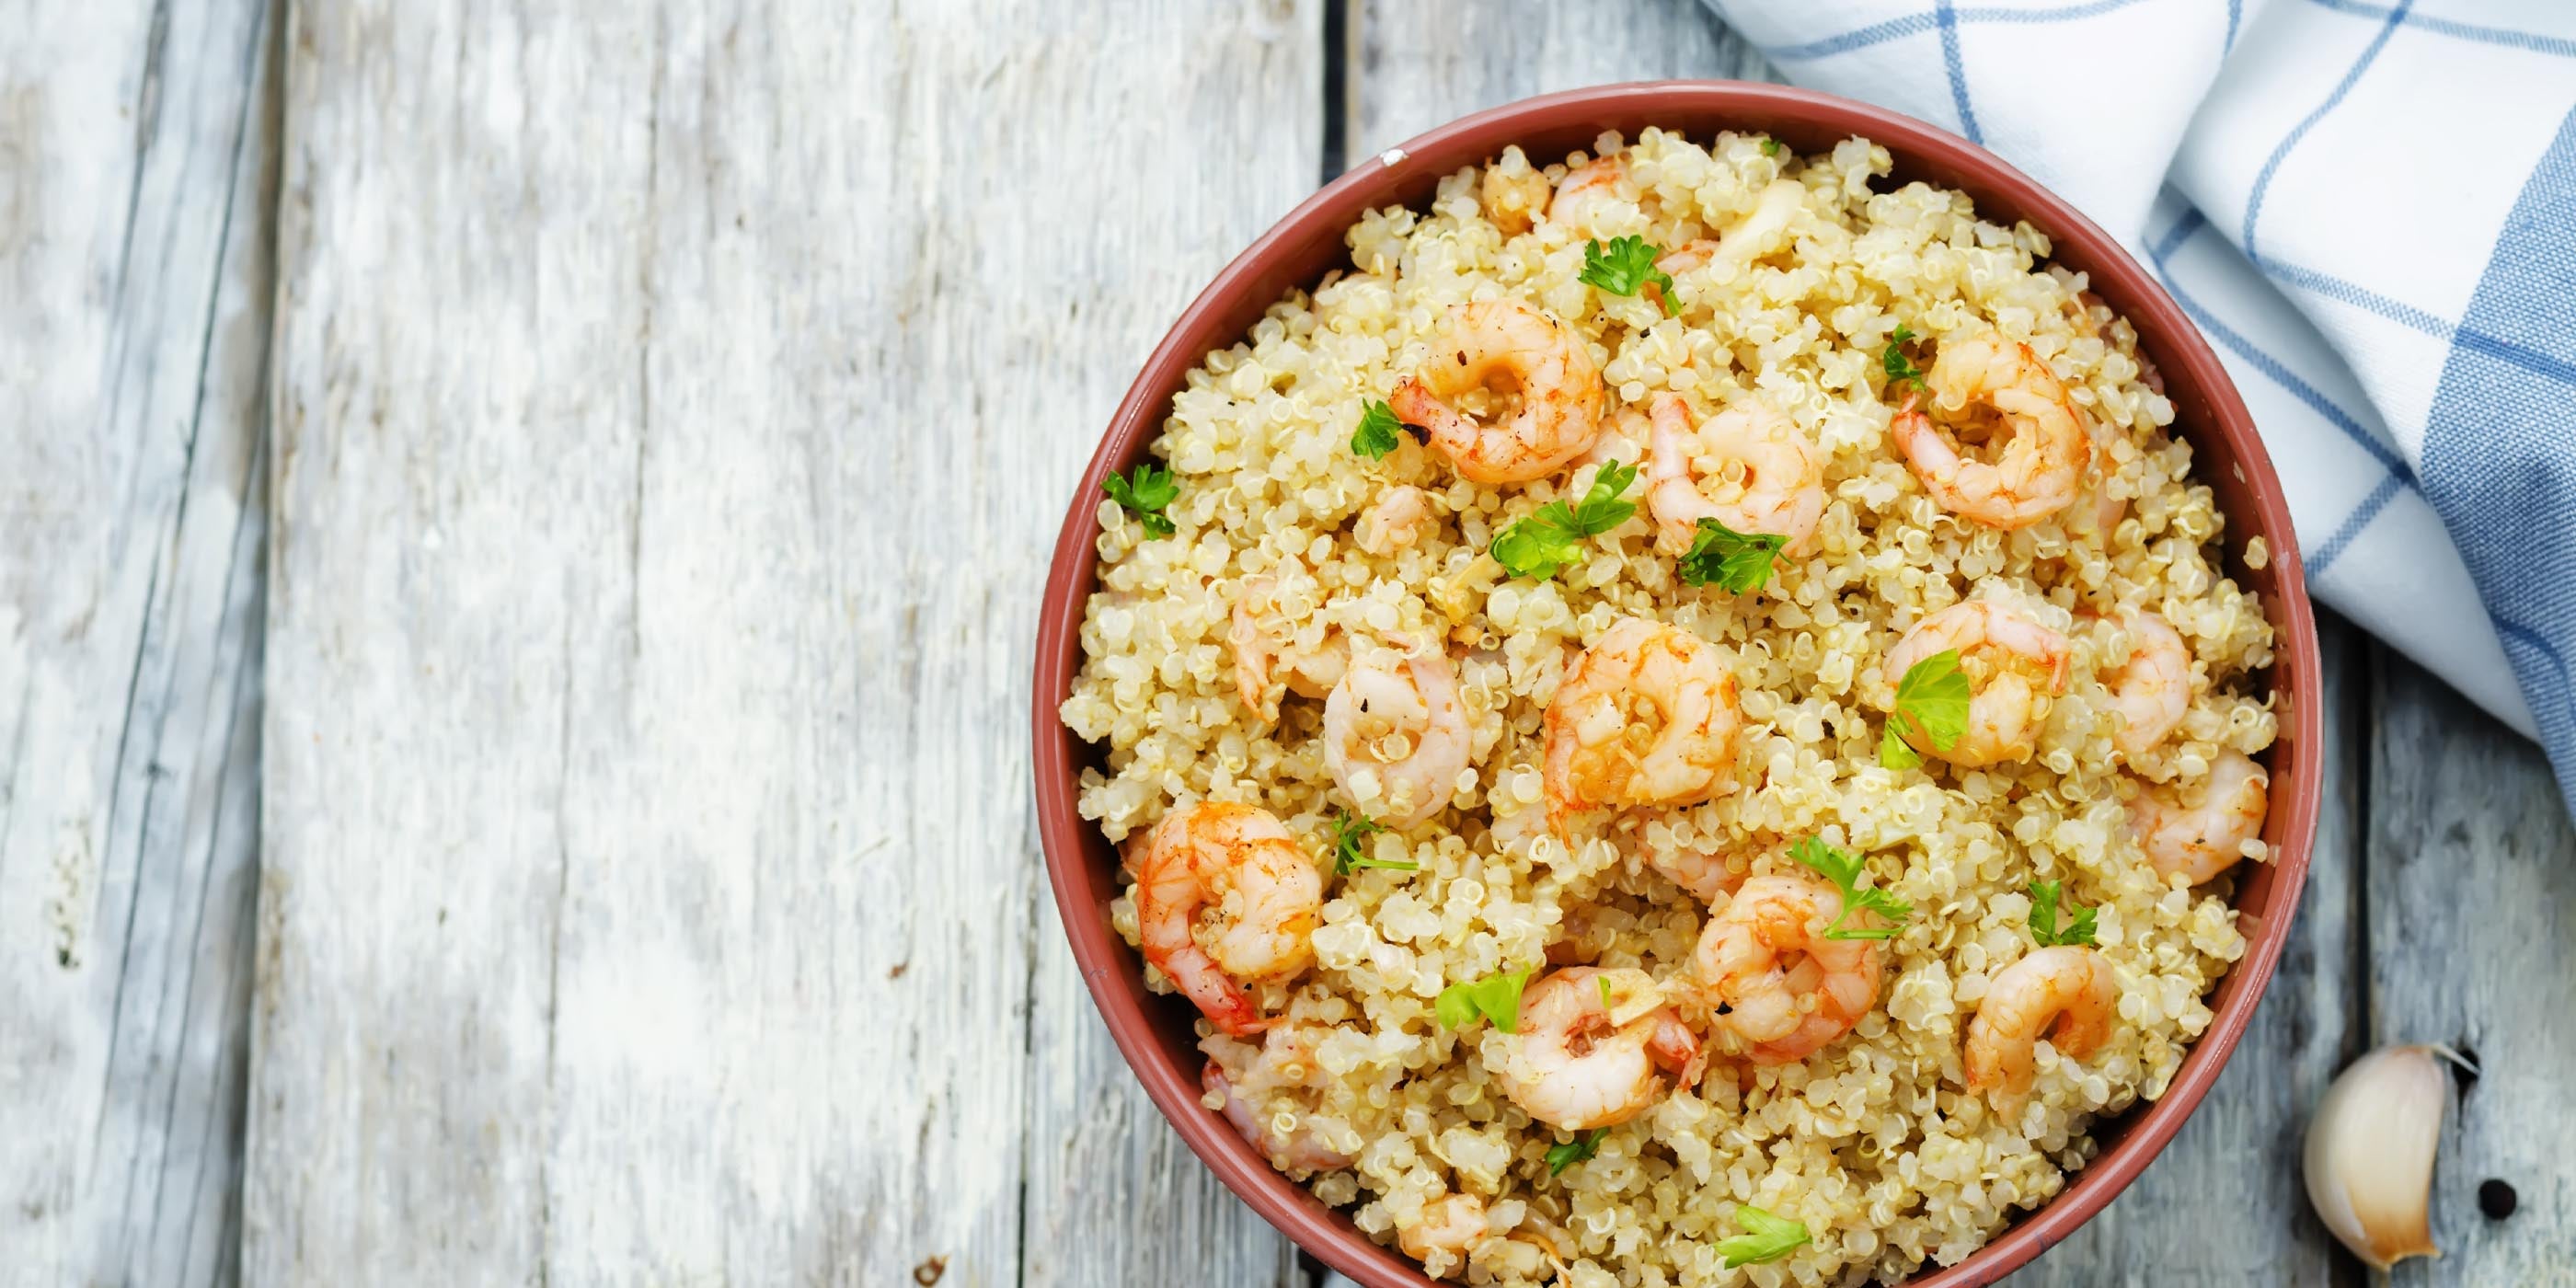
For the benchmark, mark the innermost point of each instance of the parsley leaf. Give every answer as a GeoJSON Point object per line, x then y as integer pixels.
{"type": "Point", "coordinates": [1347, 855]}
{"type": "Point", "coordinates": [1495, 997]}
{"type": "Point", "coordinates": [1765, 1238]}
{"type": "Point", "coordinates": [1604, 982]}
{"type": "Point", "coordinates": [1377, 431]}
{"type": "Point", "coordinates": [1843, 868]}
{"type": "Point", "coordinates": [2043, 918]}
{"type": "Point", "coordinates": [1546, 541]}
{"type": "Point", "coordinates": [1625, 266]}
{"type": "Point", "coordinates": [1584, 1145]}
{"type": "Point", "coordinates": [1931, 701]}
{"type": "Point", "coordinates": [1900, 368]}
{"type": "Point", "coordinates": [1770, 147]}
{"type": "Point", "coordinates": [1738, 561]}
{"type": "Point", "coordinates": [1144, 493]}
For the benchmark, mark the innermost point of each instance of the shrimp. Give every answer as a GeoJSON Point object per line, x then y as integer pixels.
{"type": "Point", "coordinates": [1259, 638]}
{"type": "Point", "coordinates": [1250, 1079]}
{"type": "Point", "coordinates": [2015, 665]}
{"type": "Point", "coordinates": [1623, 439]}
{"type": "Point", "coordinates": [1396, 735]}
{"type": "Point", "coordinates": [2070, 987]}
{"type": "Point", "coordinates": [1448, 1225]}
{"type": "Point", "coordinates": [2202, 833]}
{"type": "Point", "coordinates": [1585, 194]}
{"type": "Point", "coordinates": [2031, 444]}
{"type": "Point", "coordinates": [1223, 893]}
{"type": "Point", "coordinates": [1786, 988]}
{"type": "Point", "coordinates": [2152, 689]}
{"type": "Point", "coordinates": [1505, 346]}
{"type": "Point", "coordinates": [1513, 199]}
{"type": "Point", "coordinates": [1589, 1045]}
{"type": "Point", "coordinates": [1394, 521]}
{"type": "Point", "coordinates": [1773, 480]}
{"type": "Point", "coordinates": [1648, 716]}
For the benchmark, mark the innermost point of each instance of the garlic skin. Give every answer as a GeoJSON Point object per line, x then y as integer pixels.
{"type": "Point", "coordinates": [2369, 1156]}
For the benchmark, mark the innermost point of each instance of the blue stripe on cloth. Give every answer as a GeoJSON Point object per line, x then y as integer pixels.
{"type": "Point", "coordinates": [2498, 465]}
{"type": "Point", "coordinates": [2273, 368]}
{"type": "Point", "coordinates": [2353, 523]}
{"type": "Point", "coordinates": [2358, 296]}
{"type": "Point", "coordinates": [2272, 163]}
{"type": "Point", "coordinates": [2505, 36]}
{"type": "Point", "coordinates": [2235, 18]}
{"type": "Point", "coordinates": [1915, 24]}
{"type": "Point", "coordinates": [1948, 18]}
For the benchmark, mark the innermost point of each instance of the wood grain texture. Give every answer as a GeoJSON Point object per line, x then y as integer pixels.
{"type": "Point", "coordinates": [674, 405]}
{"type": "Point", "coordinates": [2471, 914]}
{"type": "Point", "coordinates": [1418, 63]}
{"type": "Point", "coordinates": [136, 181]}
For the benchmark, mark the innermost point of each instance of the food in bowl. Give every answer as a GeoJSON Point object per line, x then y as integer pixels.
{"type": "Point", "coordinates": [1682, 722]}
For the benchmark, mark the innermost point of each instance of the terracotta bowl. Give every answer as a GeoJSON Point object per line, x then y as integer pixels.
{"type": "Point", "coordinates": [1155, 1033]}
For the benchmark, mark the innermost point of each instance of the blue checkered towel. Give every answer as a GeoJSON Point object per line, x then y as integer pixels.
{"type": "Point", "coordinates": [2370, 209]}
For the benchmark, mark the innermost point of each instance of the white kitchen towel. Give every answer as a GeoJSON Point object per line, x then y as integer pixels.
{"type": "Point", "coordinates": [2370, 210]}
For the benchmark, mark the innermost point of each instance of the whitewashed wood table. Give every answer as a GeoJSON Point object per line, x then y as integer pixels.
{"type": "Point", "coordinates": [519, 528]}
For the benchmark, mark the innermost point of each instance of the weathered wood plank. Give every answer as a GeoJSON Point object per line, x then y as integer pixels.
{"type": "Point", "coordinates": [1424, 63]}
{"type": "Point", "coordinates": [2224, 1204]}
{"type": "Point", "coordinates": [1419, 63]}
{"type": "Point", "coordinates": [673, 406]}
{"type": "Point", "coordinates": [136, 162]}
{"type": "Point", "coordinates": [2471, 904]}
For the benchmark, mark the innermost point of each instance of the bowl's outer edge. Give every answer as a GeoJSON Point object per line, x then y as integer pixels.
{"type": "Point", "coordinates": [1153, 1034]}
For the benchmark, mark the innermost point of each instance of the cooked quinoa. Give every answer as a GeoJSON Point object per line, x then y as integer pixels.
{"type": "Point", "coordinates": [1875, 1142]}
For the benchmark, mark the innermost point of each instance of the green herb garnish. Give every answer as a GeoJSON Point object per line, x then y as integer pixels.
{"type": "Point", "coordinates": [1584, 1145]}
{"type": "Point", "coordinates": [1738, 561]}
{"type": "Point", "coordinates": [1604, 982]}
{"type": "Point", "coordinates": [1765, 1238]}
{"type": "Point", "coordinates": [1770, 147]}
{"type": "Point", "coordinates": [2043, 918]}
{"type": "Point", "coordinates": [1347, 855]}
{"type": "Point", "coordinates": [1495, 997]}
{"type": "Point", "coordinates": [1932, 701]}
{"type": "Point", "coordinates": [1377, 434]}
{"type": "Point", "coordinates": [1843, 868]}
{"type": "Point", "coordinates": [1900, 368]}
{"type": "Point", "coordinates": [1548, 540]}
{"type": "Point", "coordinates": [1144, 493]}
{"type": "Point", "coordinates": [1624, 266]}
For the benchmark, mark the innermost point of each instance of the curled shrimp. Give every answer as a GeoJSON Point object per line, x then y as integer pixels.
{"type": "Point", "coordinates": [1250, 1078]}
{"type": "Point", "coordinates": [2032, 445]}
{"type": "Point", "coordinates": [2069, 987]}
{"type": "Point", "coordinates": [1223, 893]}
{"type": "Point", "coordinates": [1589, 1047]}
{"type": "Point", "coordinates": [2152, 689]}
{"type": "Point", "coordinates": [2014, 665]}
{"type": "Point", "coordinates": [1394, 521]}
{"type": "Point", "coordinates": [1262, 641]}
{"type": "Point", "coordinates": [1786, 989]}
{"type": "Point", "coordinates": [1647, 717]}
{"type": "Point", "coordinates": [1755, 235]}
{"type": "Point", "coordinates": [1586, 193]}
{"type": "Point", "coordinates": [1772, 480]}
{"type": "Point", "coordinates": [1506, 347]}
{"type": "Point", "coordinates": [2202, 831]}
{"type": "Point", "coordinates": [1396, 735]}
{"type": "Point", "coordinates": [1449, 1225]}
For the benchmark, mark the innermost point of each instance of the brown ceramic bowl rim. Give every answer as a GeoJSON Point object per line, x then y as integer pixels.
{"type": "Point", "coordinates": [2209, 411]}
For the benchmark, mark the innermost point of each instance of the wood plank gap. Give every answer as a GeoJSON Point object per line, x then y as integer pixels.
{"type": "Point", "coordinates": [1338, 67]}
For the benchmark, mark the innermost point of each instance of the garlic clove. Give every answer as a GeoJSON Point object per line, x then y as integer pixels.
{"type": "Point", "coordinates": [2369, 1156]}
